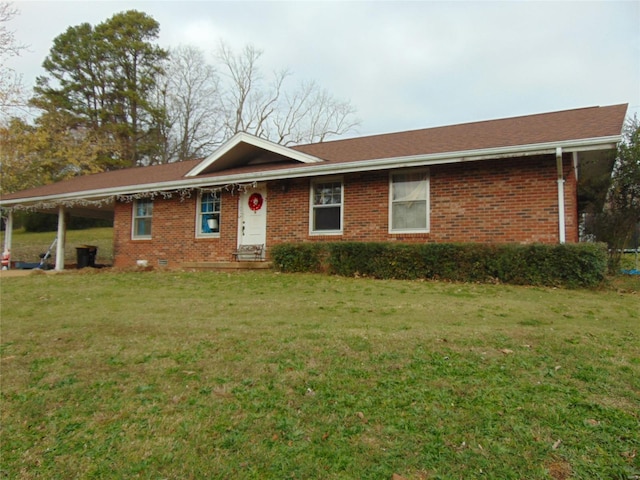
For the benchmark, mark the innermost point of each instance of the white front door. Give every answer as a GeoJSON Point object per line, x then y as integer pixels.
{"type": "Point", "coordinates": [252, 216]}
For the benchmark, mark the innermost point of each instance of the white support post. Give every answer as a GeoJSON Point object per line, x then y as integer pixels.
{"type": "Point", "coordinates": [561, 218]}
{"type": "Point", "coordinates": [8, 230]}
{"type": "Point", "coordinates": [62, 228]}
{"type": "Point", "coordinates": [8, 236]}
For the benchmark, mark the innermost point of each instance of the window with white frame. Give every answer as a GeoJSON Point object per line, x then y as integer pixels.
{"type": "Point", "coordinates": [208, 221]}
{"type": "Point", "coordinates": [142, 217]}
{"type": "Point", "coordinates": [326, 207]}
{"type": "Point", "coordinates": [409, 202]}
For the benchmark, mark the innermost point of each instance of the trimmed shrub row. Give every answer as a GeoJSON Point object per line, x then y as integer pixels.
{"type": "Point", "coordinates": [572, 265]}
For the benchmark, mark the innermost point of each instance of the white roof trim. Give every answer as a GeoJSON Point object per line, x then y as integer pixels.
{"type": "Point", "coordinates": [261, 143]}
{"type": "Point", "coordinates": [336, 168]}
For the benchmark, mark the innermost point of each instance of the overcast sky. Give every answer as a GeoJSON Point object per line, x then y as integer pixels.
{"type": "Point", "coordinates": [403, 65]}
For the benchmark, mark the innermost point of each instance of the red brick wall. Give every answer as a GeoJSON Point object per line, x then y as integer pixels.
{"type": "Point", "coordinates": [496, 201]}
{"type": "Point", "coordinates": [492, 202]}
{"type": "Point", "coordinates": [173, 233]}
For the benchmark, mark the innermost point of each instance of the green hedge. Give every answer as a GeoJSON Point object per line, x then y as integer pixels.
{"type": "Point", "coordinates": [572, 265]}
{"type": "Point", "coordinates": [298, 257]}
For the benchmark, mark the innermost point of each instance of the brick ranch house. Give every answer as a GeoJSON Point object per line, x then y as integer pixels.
{"type": "Point", "coordinates": [511, 180]}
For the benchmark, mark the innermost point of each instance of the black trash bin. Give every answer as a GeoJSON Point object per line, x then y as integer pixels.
{"type": "Point", "coordinates": [86, 256]}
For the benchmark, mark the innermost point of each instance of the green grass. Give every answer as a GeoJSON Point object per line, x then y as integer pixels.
{"type": "Point", "coordinates": [27, 246]}
{"type": "Point", "coordinates": [207, 375]}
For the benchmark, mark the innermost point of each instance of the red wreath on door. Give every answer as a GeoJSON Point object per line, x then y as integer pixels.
{"type": "Point", "coordinates": [255, 202]}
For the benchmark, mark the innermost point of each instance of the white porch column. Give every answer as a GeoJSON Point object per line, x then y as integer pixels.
{"type": "Point", "coordinates": [8, 230]}
{"type": "Point", "coordinates": [561, 219]}
{"type": "Point", "coordinates": [62, 229]}
{"type": "Point", "coordinates": [8, 234]}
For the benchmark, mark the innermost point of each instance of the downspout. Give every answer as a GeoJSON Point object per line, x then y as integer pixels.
{"type": "Point", "coordinates": [62, 227]}
{"type": "Point", "coordinates": [561, 219]}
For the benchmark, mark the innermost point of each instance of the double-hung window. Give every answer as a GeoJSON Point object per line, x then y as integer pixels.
{"type": "Point", "coordinates": [208, 221]}
{"type": "Point", "coordinates": [142, 217]}
{"type": "Point", "coordinates": [409, 202]}
{"type": "Point", "coordinates": [326, 207]}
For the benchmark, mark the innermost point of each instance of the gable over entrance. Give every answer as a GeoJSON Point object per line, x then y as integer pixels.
{"type": "Point", "coordinates": [244, 150]}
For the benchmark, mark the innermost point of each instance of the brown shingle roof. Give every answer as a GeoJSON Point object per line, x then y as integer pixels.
{"type": "Point", "coordinates": [568, 125]}
{"type": "Point", "coordinates": [584, 123]}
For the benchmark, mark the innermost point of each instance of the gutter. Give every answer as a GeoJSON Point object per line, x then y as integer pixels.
{"type": "Point", "coordinates": [320, 169]}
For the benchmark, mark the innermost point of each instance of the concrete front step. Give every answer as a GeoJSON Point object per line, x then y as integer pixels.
{"type": "Point", "coordinates": [227, 265]}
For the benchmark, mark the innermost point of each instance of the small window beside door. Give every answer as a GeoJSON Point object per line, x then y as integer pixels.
{"type": "Point", "coordinates": [208, 221]}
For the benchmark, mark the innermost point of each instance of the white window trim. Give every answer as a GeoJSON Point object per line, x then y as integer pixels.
{"type": "Point", "coordinates": [200, 234]}
{"type": "Point", "coordinates": [134, 217]}
{"type": "Point", "coordinates": [312, 206]}
{"type": "Point", "coordinates": [428, 219]}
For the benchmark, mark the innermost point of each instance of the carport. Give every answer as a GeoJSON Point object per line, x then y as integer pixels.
{"type": "Point", "coordinates": [98, 208]}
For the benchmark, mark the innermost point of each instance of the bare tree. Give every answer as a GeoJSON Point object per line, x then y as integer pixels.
{"type": "Point", "coordinates": [311, 114]}
{"type": "Point", "coordinates": [267, 109]}
{"type": "Point", "coordinates": [190, 93]}
{"type": "Point", "coordinates": [247, 101]}
{"type": "Point", "coordinates": [11, 88]}
{"type": "Point", "coordinates": [206, 105]}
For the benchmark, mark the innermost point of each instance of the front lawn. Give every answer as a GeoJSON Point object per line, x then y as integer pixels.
{"type": "Point", "coordinates": [263, 375]}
